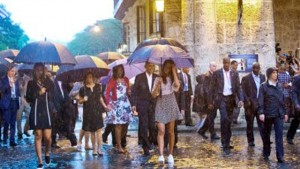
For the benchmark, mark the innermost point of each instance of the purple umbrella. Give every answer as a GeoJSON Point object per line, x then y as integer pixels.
{"type": "Point", "coordinates": [9, 53]}
{"type": "Point", "coordinates": [131, 70]}
{"type": "Point", "coordinates": [157, 54]}
{"type": "Point", "coordinates": [45, 52]}
{"type": "Point", "coordinates": [161, 41]}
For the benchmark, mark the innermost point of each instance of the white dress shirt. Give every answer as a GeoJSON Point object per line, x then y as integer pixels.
{"type": "Point", "coordinates": [257, 83]}
{"type": "Point", "coordinates": [227, 83]}
{"type": "Point", "coordinates": [149, 80]}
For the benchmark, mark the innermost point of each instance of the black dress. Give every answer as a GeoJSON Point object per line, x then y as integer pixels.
{"type": "Point", "coordinates": [92, 109]}
{"type": "Point", "coordinates": [41, 105]}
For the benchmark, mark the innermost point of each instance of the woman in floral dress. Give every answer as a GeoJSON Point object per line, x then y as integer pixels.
{"type": "Point", "coordinates": [119, 108]}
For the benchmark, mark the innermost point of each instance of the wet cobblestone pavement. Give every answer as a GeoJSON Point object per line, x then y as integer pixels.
{"type": "Point", "coordinates": [192, 152]}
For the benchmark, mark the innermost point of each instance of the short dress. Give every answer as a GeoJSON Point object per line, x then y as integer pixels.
{"type": "Point", "coordinates": [166, 109]}
{"type": "Point", "coordinates": [92, 109]}
{"type": "Point", "coordinates": [121, 109]}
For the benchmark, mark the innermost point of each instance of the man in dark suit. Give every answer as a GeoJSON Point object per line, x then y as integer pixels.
{"type": "Point", "coordinates": [210, 111]}
{"type": "Point", "coordinates": [144, 104]}
{"type": "Point", "coordinates": [225, 87]}
{"type": "Point", "coordinates": [250, 88]}
{"type": "Point", "coordinates": [185, 95]}
{"type": "Point", "coordinates": [9, 103]}
{"type": "Point", "coordinates": [296, 99]}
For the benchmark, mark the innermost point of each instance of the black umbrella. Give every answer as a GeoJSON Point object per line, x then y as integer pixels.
{"type": "Point", "coordinates": [9, 53]}
{"type": "Point", "coordinates": [160, 41]}
{"type": "Point", "coordinates": [45, 52]}
{"type": "Point", "coordinates": [85, 64]}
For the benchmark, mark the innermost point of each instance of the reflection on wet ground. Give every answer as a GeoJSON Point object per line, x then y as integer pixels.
{"type": "Point", "coordinates": [192, 152]}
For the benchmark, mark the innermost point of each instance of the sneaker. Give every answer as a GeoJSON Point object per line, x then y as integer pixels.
{"type": "Point", "coordinates": [47, 159]}
{"type": "Point", "coordinates": [161, 159]}
{"type": "Point", "coordinates": [170, 159]}
{"type": "Point", "coordinates": [40, 166]}
{"type": "Point", "coordinates": [79, 147]}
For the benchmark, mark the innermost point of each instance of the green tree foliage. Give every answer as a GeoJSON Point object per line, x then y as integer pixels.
{"type": "Point", "coordinates": [91, 42]}
{"type": "Point", "coordinates": [12, 35]}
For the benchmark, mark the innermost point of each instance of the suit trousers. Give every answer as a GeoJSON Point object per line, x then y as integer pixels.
{"type": "Point", "coordinates": [187, 109]}
{"type": "Point", "coordinates": [294, 126]}
{"type": "Point", "coordinates": [26, 109]}
{"type": "Point", "coordinates": [226, 106]}
{"type": "Point", "coordinates": [209, 123]}
{"type": "Point", "coordinates": [9, 116]}
{"type": "Point", "coordinates": [278, 126]}
{"type": "Point", "coordinates": [250, 115]}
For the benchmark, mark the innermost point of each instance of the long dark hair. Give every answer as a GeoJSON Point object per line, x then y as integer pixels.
{"type": "Point", "coordinates": [86, 75]}
{"type": "Point", "coordinates": [115, 73]}
{"type": "Point", "coordinates": [35, 67]}
{"type": "Point", "coordinates": [164, 75]}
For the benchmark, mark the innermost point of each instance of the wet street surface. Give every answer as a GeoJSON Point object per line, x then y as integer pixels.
{"type": "Point", "coordinates": [192, 152]}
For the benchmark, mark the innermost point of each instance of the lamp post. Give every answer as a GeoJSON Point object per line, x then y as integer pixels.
{"type": "Point", "coordinates": [160, 8]}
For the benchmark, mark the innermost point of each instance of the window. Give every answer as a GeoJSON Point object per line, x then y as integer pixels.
{"type": "Point", "coordinates": [126, 35]}
{"type": "Point", "coordinates": [141, 24]}
{"type": "Point", "coordinates": [155, 20]}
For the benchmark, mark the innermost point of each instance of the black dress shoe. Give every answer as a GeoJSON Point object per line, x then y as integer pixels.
{"type": "Point", "coordinates": [27, 134]}
{"type": "Point", "coordinates": [290, 141]}
{"type": "Point", "coordinates": [203, 135]}
{"type": "Point", "coordinates": [280, 160]}
{"type": "Point", "coordinates": [20, 136]}
{"type": "Point", "coordinates": [251, 144]}
{"type": "Point", "coordinates": [13, 144]}
{"type": "Point", "coordinates": [226, 151]}
{"type": "Point", "coordinates": [146, 152]}
{"type": "Point", "coordinates": [214, 137]}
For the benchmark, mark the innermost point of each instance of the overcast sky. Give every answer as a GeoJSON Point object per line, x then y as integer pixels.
{"type": "Point", "coordinates": [58, 20]}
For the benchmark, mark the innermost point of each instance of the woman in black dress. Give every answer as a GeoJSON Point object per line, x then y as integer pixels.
{"type": "Point", "coordinates": [38, 95]}
{"type": "Point", "coordinates": [91, 97]}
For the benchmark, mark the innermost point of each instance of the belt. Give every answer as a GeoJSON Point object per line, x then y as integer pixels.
{"type": "Point", "coordinates": [227, 95]}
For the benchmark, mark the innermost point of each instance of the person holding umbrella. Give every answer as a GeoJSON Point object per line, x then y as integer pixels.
{"type": "Point", "coordinates": [38, 95]}
{"type": "Point", "coordinates": [166, 110]}
{"type": "Point", "coordinates": [119, 108]}
{"type": "Point", "coordinates": [91, 97]}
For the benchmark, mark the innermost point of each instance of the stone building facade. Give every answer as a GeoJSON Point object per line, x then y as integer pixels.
{"type": "Point", "coordinates": [213, 29]}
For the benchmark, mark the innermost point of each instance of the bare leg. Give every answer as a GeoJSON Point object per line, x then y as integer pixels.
{"type": "Point", "coordinates": [93, 142]}
{"type": "Point", "coordinates": [87, 139]}
{"type": "Point", "coordinates": [47, 137]}
{"type": "Point", "coordinates": [81, 134]}
{"type": "Point", "coordinates": [118, 129]}
{"type": "Point", "coordinates": [99, 139]}
{"type": "Point", "coordinates": [170, 130]}
{"type": "Point", "coordinates": [38, 145]}
{"type": "Point", "coordinates": [160, 138]}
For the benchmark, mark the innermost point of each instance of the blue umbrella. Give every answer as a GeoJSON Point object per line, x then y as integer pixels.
{"type": "Point", "coordinates": [109, 57]}
{"type": "Point", "coordinates": [157, 54]}
{"type": "Point", "coordinates": [161, 41]}
{"type": "Point", "coordinates": [85, 64]}
{"type": "Point", "coordinates": [45, 52]}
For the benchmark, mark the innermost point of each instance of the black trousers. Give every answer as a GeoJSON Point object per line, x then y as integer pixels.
{"type": "Point", "coordinates": [110, 129]}
{"type": "Point", "coordinates": [209, 123]}
{"type": "Point", "coordinates": [250, 115]}
{"type": "Point", "coordinates": [187, 109]}
{"type": "Point", "coordinates": [69, 121]}
{"type": "Point", "coordinates": [9, 117]}
{"type": "Point", "coordinates": [226, 106]}
{"type": "Point", "coordinates": [294, 126]}
{"type": "Point", "coordinates": [278, 126]}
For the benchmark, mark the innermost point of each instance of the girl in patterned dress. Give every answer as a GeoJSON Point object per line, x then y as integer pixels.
{"type": "Point", "coordinates": [166, 110]}
{"type": "Point", "coordinates": [119, 108]}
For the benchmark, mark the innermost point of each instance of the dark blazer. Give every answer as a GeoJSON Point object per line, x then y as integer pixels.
{"type": "Point", "coordinates": [200, 99]}
{"type": "Point", "coordinates": [217, 83]}
{"type": "Point", "coordinates": [6, 92]}
{"type": "Point", "coordinates": [60, 100]}
{"type": "Point", "coordinates": [250, 91]}
{"type": "Point", "coordinates": [181, 96]}
{"type": "Point", "coordinates": [140, 90]}
{"type": "Point", "coordinates": [296, 90]}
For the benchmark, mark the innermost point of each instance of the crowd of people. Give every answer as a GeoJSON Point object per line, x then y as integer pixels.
{"type": "Point", "coordinates": [162, 101]}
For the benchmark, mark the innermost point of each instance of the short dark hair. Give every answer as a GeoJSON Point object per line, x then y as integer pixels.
{"type": "Point", "coordinates": [270, 71]}
{"type": "Point", "coordinates": [233, 62]}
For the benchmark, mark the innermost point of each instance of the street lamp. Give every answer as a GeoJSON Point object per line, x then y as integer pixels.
{"type": "Point", "coordinates": [160, 5]}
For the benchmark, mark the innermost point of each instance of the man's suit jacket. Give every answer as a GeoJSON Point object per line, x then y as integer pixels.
{"type": "Point", "coordinates": [6, 92]}
{"type": "Point", "coordinates": [140, 90]}
{"type": "Point", "coordinates": [296, 92]}
{"type": "Point", "coordinates": [250, 91]}
{"type": "Point", "coordinates": [181, 96]}
{"type": "Point", "coordinates": [218, 86]}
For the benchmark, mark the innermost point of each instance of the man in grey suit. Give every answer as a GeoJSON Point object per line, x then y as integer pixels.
{"type": "Point", "coordinates": [225, 87]}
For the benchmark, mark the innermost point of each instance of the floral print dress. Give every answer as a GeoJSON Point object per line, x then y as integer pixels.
{"type": "Point", "coordinates": [121, 109]}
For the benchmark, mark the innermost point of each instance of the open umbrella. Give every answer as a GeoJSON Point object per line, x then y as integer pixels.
{"type": "Point", "coordinates": [28, 68]}
{"type": "Point", "coordinates": [85, 64]}
{"type": "Point", "coordinates": [4, 64]}
{"type": "Point", "coordinates": [161, 41]}
{"type": "Point", "coordinates": [45, 52]}
{"type": "Point", "coordinates": [109, 57]}
{"type": "Point", "coordinates": [131, 70]}
{"type": "Point", "coordinates": [157, 54]}
{"type": "Point", "coordinates": [9, 53]}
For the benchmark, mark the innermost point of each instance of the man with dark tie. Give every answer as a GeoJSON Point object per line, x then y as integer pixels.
{"type": "Point", "coordinates": [9, 104]}
{"type": "Point", "coordinates": [225, 87]}
{"type": "Point", "coordinates": [250, 87]}
{"type": "Point", "coordinates": [185, 95]}
{"type": "Point", "coordinates": [144, 104]}
{"type": "Point", "coordinates": [210, 111]}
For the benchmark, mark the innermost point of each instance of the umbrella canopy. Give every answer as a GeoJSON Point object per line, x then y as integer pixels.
{"type": "Point", "coordinates": [157, 54]}
{"type": "Point", "coordinates": [28, 68]}
{"type": "Point", "coordinates": [5, 63]}
{"type": "Point", "coordinates": [9, 53]}
{"type": "Point", "coordinates": [109, 57]}
{"type": "Point", "coordinates": [161, 41]}
{"type": "Point", "coordinates": [85, 64]}
{"type": "Point", "coordinates": [131, 70]}
{"type": "Point", "coordinates": [45, 52]}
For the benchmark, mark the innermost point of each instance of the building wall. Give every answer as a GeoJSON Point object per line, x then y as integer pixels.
{"type": "Point", "coordinates": [287, 24]}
